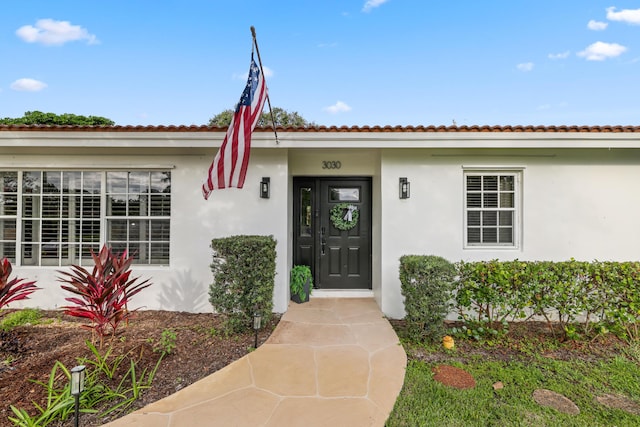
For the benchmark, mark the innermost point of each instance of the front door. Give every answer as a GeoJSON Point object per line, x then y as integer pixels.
{"type": "Point", "coordinates": [338, 251]}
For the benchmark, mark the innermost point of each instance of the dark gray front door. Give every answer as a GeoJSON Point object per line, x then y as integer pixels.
{"type": "Point", "coordinates": [339, 259]}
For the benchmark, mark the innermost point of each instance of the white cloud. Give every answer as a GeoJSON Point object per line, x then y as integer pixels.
{"type": "Point", "coordinates": [372, 4]}
{"type": "Point", "coordinates": [597, 25]}
{"type": "Point", "coordinates": [630, 16]}
{"type": "Point", "coordinates": [28, 85]}
{"type": "Point", "coordinates": [525, 66]}
{"type": "Point", "coordinates": [562, 55]}
{"type": "Point", "coordinates": [54, 33]}
{"type": "Point", "coordinates": [599, 51]}
{"type": "Point", "coordinates": [545, 107]}
{"type": "Point", "coordinates": [338, 107]}
{"type": "Point", "coordinates": [327, 45]}
{"type": "Point", "coordinates": [267, 73]}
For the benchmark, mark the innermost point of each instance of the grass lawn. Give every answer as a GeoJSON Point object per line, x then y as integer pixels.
{"type": "Point", "coordinates": [581, 375]}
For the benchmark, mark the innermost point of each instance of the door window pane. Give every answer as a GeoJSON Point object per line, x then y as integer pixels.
{"type": "Point", "coordinates": [305, 211]}
{"type": "Point", "coordinates": [344, 194]}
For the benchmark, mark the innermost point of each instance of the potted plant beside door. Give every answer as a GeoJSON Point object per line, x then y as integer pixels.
{"type": "Point", "coordinates": [301, 283]}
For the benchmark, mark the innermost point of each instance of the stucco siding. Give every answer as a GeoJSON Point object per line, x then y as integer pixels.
{"type": "Point", "coordinates": [573, 204]}
{"type": "Point", "coordinates": [183, 284]}
{"type": "Point", "coordinates": [576, 198]}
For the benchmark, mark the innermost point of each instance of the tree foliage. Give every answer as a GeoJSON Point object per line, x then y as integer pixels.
{"type": "Point", "coordinates": [40, 118]}
{"type": "Point", "coordinates": [281, 116]}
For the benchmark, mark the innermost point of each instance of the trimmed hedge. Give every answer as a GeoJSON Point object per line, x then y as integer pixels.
{"type": "Point", "coordinates": [597, 296]}
{"type": "Point", "coordinates": [606, 294]}
{"type": "Point", "coordinates": [244, 269]}
{"type": "Point", "coordinates": [427, 282]}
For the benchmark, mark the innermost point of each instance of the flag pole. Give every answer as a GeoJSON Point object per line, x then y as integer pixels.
{"type": "Point", "coordinates": [255, 43]}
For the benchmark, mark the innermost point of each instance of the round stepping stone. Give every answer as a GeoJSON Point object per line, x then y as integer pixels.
{"type": "Point", "coordinates": [453, 377]}
{"type": "Point", "coordinates": [619, 402]}
{"type": "Point", "coordinates": [556, 401]}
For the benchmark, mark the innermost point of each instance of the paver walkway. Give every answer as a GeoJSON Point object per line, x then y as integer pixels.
{"type": "Point", "coordinates": [330, 362]}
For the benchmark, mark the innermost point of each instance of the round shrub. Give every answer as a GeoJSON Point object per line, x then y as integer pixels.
{"type": "Point", "coordinates": [427, 282]}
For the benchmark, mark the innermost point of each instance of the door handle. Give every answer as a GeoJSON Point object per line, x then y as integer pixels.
{"type": "Point", "coordinates": [323, 242]}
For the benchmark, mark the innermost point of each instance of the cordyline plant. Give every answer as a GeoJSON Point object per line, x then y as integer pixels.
{"type": "Point", "coordinates": [14, 289]}
{"type": "Point", "coordinates": [103, 294]}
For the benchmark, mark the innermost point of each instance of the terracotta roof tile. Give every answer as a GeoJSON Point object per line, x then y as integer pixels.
{"type": "Point", "coordinates": [336, 129]}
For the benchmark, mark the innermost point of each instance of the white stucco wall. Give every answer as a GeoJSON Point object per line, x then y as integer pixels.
{"type": "Point", "coordinates": [578, 191]}
{"type": "Point", "coordinates": [575, 203]}
{"type": "Point", "coordinates": [183, 285]}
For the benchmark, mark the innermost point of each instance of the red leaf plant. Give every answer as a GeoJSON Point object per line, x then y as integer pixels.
{"type": "Point", "coordinates": [14, 289]}
{"type": "Point", "coordinates": [102, 295]}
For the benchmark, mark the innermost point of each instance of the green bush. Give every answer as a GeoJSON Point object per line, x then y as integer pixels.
{"type": "Point", "coordinates": [426, 284]}
{"type": "Point", "coordinates": [491, 291]}
{"type": "Point", "coordinates": [26, 316]}
{"type": "Point", "coordinates": [605, 294]}
{"type": "Point", "coordinates": [244, 269]}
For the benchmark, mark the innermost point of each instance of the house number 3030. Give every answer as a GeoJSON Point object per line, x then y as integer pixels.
{"type": "Point", "coordinates": [331, 164]}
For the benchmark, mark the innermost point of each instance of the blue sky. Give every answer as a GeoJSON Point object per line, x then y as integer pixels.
{"type": "Point", "coordinates": [348, 62]}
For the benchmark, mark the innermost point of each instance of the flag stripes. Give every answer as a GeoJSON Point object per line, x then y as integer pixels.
{"type": "Point", "coordinates": [229, 166]}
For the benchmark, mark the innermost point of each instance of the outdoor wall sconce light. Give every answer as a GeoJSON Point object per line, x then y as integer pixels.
{"type": "Point", "coordinates": [77, 387]}
{"type": "Point", "coordinates": [257, 320]}
{"type": "Point", "coordinates": [405, 188]}
{"type": "Point", "coordinates": [264, 187]}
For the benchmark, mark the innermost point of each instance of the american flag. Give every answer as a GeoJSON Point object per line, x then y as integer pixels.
{"type": "Point", "coordinates": [229, 167]}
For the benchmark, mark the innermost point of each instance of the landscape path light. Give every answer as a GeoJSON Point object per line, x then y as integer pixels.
{"type": "Point", "coordinates": [257, 320]}
{"type": "Point", "coordinates": [77, 387]}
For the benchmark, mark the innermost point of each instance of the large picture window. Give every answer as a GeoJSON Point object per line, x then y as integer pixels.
{"type": "Point", "coordinates": [56, 218]}
{"type": "Point", "coordinates": [138, 211]}
{"type": "Point", "coordinates": [60, 217]}
{"type": "Point", "coordinates": [491, 215]}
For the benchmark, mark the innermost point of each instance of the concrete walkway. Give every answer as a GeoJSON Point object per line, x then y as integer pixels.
{"type": "Point", "coordinates": [330, 362]}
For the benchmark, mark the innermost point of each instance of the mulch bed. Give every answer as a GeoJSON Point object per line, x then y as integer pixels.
{"type": "Point", "coordinates": [28, 353]}
{"type": "Point", "coordinates": [453, 377]}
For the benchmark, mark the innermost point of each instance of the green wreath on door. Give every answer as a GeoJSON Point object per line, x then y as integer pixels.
{"type": "Point", "coordinates": [344, 216]}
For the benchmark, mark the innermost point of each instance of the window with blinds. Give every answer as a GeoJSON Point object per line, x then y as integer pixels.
{"type": "Point", "coordinates": [8, 214]}
{"type": "Point", "coordinates": [60, 217]}
{"type": "Point", "coordinates": [56, 218]}
{"type": "Point", "coordinates": [138, 214]}
{"type": "Point", "coordinates": [491, 208]}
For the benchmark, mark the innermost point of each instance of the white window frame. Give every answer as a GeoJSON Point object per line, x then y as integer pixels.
{"type": "Point", "coordinates": [103, 219]}
{"type": "Point", "coordinates": [517, 173]}
{"type": "Point", "coordinates": [77, 248]}
{"type": "Point", "coordinates": [145, 242]}
{"type": "Point", "coordinates": [6, 199]}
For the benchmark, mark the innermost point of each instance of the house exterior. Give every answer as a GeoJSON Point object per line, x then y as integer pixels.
{"type": "Point", "coordinates": [471, 193]}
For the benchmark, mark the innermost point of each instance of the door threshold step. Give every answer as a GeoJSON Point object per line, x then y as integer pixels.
{"type": "Point", "coordinates": [342, 293]}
